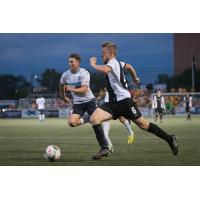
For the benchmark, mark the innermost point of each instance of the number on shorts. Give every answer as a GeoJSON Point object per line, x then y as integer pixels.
{"type": "Point", "coordinates": [133, 110]}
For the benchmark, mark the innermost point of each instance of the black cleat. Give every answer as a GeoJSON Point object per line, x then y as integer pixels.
{"type": "Point", "coordinates": [174, 145]}
{"type": "Point", "coordinates": [101, 153]}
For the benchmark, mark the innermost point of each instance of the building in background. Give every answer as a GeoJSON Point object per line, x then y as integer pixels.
{"type": "Point", "coordinates": [185, 46]}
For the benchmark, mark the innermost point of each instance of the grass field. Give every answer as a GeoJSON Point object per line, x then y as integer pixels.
{"type": "Point", "coordinates": [23, 141]}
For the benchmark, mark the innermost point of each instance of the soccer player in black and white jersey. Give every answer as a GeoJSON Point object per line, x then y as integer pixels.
{"type": "Point", "coordinates": [158, 105]}
{"type": "Point", "coordinates": [120, 102]}
{"type": "Point", "coordinates": [188, 105]}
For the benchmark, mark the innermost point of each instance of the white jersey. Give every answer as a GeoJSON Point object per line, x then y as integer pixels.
{"type": "Point", "coordinates": [116, 83]}
{"type": "Point", "coordinates": [82, 77]}
{"type": "Point", "coordinates": [40, 103]}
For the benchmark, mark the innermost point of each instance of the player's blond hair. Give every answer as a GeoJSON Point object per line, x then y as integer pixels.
{"type": "Point", "coordinates": [111, 46]}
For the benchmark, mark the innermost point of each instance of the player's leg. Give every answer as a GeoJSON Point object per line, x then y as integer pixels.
{"type": "Point", "coordinates": [127, 125]}
{"type": "Point", "coordinates": [39, 115]}
{"type": "Point", "coordinates": [156, 114]}
{"type": "Point", "coordinates": [106, 130]}
{"type": "Point", "coordinates": [161, 116]}
{"type": "Point", "coordinates": [133, 113]}
{"type": "Point", "coordinates": [99, 116]}
{"type": "Point", "coordinates": [42, 115]}
{"type": "Point", "coordinates": [189, 116]}
{"type": "Point", "coordinates": [74, 118]}
{"type": "Point", "coordinates": [187, 112]}
{"type": "Point", "coordinates": [90, 108]}
{"type": "Point", "coordinates": [156, 130]}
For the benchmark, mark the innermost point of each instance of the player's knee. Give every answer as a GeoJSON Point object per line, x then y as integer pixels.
{"type": "Point", "coordinates": [72, 123]}
{"type": "Point", "coordinates": [94, 119]}
{"type": "Point", "coordinates": [144, 126]}
{"type": "Point", "coordinates": [122, 120]}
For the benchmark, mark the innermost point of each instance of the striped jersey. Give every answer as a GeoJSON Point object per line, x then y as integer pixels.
{"type": "Point", "coordinates": [116, 84]}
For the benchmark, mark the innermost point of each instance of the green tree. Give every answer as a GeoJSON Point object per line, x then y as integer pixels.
{"type": "Point", "coordinates": [13, 87]}
{"type": "Point", "coordinates": [50, 79]}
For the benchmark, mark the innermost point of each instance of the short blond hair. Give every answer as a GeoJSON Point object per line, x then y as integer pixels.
{"type": "Point", "coordinates": [111, 46]}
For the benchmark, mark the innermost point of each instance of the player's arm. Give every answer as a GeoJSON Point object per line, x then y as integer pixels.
{"type": "Point", "coordinates": [101, 68]}
{"type": "Point", "coordinates": [132, 72]}
{"type": "Point", "coordinates": [62, 93]}
{"type": "Point", "coordinates": [82, 90]}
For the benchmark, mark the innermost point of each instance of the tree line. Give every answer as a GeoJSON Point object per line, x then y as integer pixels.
{"type": "Point", "coordinates": [15, 87]}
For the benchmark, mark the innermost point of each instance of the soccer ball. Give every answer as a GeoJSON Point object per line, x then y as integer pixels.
{"type": "Point", "coordinates": [52, 153]}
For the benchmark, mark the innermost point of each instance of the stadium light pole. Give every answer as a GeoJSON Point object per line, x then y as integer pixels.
{"type": "Point", "coordinates": [193, 69]}
{"type": "Point", "coordinates": [33, 76]}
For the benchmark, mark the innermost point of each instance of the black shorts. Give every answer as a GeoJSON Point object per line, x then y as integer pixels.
{"type": "Point", "coordinates": [187, 109]}
{"type": "Point", "coordinates": [159, 110]}
{"type": "Point", "coordinates": [41, 111]}
{"type": "Point", "coordinates": [80, 109]}
{"type": "Point", "coordinates": [126, 108]}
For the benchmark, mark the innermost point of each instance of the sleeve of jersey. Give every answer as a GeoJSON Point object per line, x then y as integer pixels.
{"type": "Point", "coordinates": [123, 64]}
{"type": "Point", "coordinates": [112, 65]}
{"type": "Point", "coordinates": [86, 79]}
{"type": "Point", "coordinates": [62, 78]}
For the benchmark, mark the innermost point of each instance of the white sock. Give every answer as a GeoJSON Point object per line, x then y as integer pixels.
{"type": "Point", "coordinates": [43, 117]}
{"type": "Point", "coordinates": [106, 129]}
{"type": "Point", "coordinates": [85, 119]}
{"type": "Point", "coordinates": [40, 117]}
{"type": "Point", "coordinates": [128, 127]}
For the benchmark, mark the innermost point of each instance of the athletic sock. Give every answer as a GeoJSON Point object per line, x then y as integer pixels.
{"type": "Point", "coordinates": [128, 127]}
{"type": "Point", "coordinates": [153, 128]}
{"type": "Point", "coordinates": [43, 117]}
{"type": "Point", "coordinates": [106, 129]}
{"type": "Point", "coordinates": [160, 117]}
{"type": "Point", "coordinates": [100, 136]}
{"type": "Point", "coordinates": [40, 117]}
{"type": "Point", "coordinates": [156, 117]}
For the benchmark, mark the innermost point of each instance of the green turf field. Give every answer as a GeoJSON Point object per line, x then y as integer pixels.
{"type": "Point", "coordinates": [23, 141]}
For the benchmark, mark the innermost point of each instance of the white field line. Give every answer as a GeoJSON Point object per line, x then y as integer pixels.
{"type": "Point", "coordinates": [69, 137]}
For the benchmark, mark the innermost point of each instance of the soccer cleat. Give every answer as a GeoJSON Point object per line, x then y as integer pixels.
{"type": "Point", "coordinates": [111, 149]}
{"type": "Point", "coordinates": [174, 145]}
{"type": "Point", "coordinates": [131, 139]}
{"type": "Point", "coordinates": [101, 153]}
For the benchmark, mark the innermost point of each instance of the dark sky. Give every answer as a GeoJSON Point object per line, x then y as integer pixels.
{"type": "Point", "coordinates": [26, 54]}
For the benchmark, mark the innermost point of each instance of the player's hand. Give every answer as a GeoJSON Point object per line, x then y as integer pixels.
{"type": "Point", "coordinates": [66, 100]}
{"type": "Point", "coordinates": [68, 88]}
{"type": "Point", "coordinates": [93, 61]}
{"type": "Point", "coordinates": [137, 80]}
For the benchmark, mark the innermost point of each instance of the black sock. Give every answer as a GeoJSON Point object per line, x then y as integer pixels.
{"type": "Point", "coordinates": [100, 136]}
{"type": "Point", "coordinates": [160, 116]}
{"type": "Point", "coordinates": [153, 128]}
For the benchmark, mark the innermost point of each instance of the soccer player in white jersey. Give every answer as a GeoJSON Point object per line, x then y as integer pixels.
{"type": "Point", "coordinates": [76, 80]}
{"type": "Point", "coordinates": [120, 102]}
{"type": "Point", "coordinates": [40, 102]}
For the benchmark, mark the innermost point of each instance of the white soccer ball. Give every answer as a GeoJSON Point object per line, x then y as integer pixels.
{"type": "Point", "coordinates": [52, 153]}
